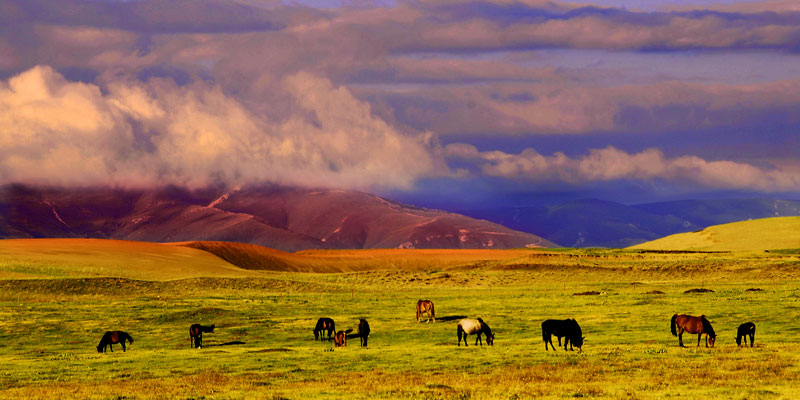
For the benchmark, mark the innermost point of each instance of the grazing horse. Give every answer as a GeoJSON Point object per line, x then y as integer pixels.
{"type": "Point", "coordinates": [425, 307]}
{"type": "Point", "coordinates": [566, 328]}
{"type": "Point", "coordinates": [363, 331]}
{"type": "Point", "coordinates": [471, 326]}
{"type": "Point", "coordinates": [692, 324]}
{"type": "Point", "coordinates": [196, 334]}
{"type": "Point", "coordinates": [746, 329]}
{"type": "Point", "coordinates": [324, 324]}
{"type": "Point", "coordinates": [111, 338]}
{"type": "Point", "coordinates": [340, 339]}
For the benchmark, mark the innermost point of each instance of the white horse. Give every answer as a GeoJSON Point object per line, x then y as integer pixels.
{"type": "Point", "coordinates": [474, 326]}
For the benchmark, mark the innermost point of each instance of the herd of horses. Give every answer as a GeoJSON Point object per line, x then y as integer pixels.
{"type": "Point", "coordinates": [569, 329]}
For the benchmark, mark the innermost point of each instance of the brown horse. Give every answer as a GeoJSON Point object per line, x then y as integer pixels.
{"type": "Point", "coordinates": [196, 334]}
{"type": "Point", "coordinates": [692, 324]}
{"type": "Point", "coordinates": [363, 331]}
{"type": "Point", "coordinates": [324, 324]}
{"type": "Point", "coordinates": [340, 339]}
{"type": "Point", "coordinates": [111, 338]}
{"type": "Point", "coordinates": [423, 307]}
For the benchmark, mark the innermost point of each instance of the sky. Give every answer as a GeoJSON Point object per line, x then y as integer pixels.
{"type": "Point", "coordinates": [451, 104]}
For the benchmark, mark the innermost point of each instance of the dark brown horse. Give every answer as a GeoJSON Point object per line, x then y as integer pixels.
{"type": "Point", "coordinates": [196, 334]}
{"type": "Point", "coordinates": [324, 324]}
{"type": "Point", "coordinates": [426, 307]}
{"type": "Point", "coordinates": [340, 339]}
{"type": "Point", "coordinates": [363, 331]}
{"type": "Point", "coordinates": [111, 338]}
{"type": "Point", "coordinates": [746, 329]}
{"type": "Point", "coordinates": [691, 324]}
{"type": "Point", "coordinates": [566, 328]}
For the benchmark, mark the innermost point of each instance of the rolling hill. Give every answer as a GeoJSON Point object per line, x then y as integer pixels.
{"type": "Point", "coordinates": [284, 218]}
{"type": "Point", "coordinates": [91, 258]}
{"type": "Point", "coordinates": [760, 234]}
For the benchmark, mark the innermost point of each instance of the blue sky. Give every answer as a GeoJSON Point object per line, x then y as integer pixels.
{"type": "Point", "coordinates": [453, 104]}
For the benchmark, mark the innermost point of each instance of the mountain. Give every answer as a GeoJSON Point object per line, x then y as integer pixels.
{"type": "Point", "coordinates": [284, 218]}
{"type": "Point", "coordinates": [597, 223]}
{"type": "Point", "coordinates": [759, 234]}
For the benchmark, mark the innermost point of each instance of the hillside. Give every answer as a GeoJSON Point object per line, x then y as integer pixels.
{"type": "Point", "coordinates": [284, 218]}
{"type": "Point", "coordinates": [81, 258]}
{"type": "Point", "coordinates": [760, 234]}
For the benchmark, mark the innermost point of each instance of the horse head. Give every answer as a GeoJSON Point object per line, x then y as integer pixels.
{"type": "Point", "coordinates": [490, 339]}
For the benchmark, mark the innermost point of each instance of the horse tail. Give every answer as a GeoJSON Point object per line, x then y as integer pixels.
{"type": "Point", "coordinates": [707, 326]}
{"type": "Point", "coordinates": [433, 313]}
{"type": "Point", "coordinates": [672, 325]}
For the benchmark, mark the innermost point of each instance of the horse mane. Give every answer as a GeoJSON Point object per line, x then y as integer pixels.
{"type": "Point", "coordinates": [707, 326]}
{"type": "Point", "coordinates": [485, 327]}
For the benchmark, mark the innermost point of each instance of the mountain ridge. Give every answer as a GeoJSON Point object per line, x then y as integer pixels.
{"type": "Point", "coordinates": [279, 217]}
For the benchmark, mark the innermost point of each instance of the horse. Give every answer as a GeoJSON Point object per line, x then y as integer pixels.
{"type": "Point", "coordinates": [196, 334]}
{"type": "Point", "coordinates": [745, 329]}
{"type": "Point", "coordinates": [423, 307]}
{"type": "Point", "coordinates": [363, 331]}
{"type": "Point", "coordinates": [566, 328]}
{"type": "Point", "coordinates": [692, 324]}
{"type": "Point", "coordinates": [340, 339]}
{"type": "Point", "coordinates": [111, 338]}
{"type": "Point", "coordinates": [471, 326]}
{"type": "Point", "coordinates": [324, 324]}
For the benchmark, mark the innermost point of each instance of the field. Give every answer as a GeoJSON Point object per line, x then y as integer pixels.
{"type": "Point", "coordinates": [56, 303]}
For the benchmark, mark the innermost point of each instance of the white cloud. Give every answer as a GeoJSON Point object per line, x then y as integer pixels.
{"type": "Point", "coordinates": [55, 131]}
{"type": "Point", "coordinates": [611, 164]}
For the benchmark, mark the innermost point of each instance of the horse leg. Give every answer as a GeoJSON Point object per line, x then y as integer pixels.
{"type": "Point", "coordinates": [680, 337]}
{"type": "Point", "coordinates": [752, 339]}
{"type": "Point", "coordinates": [700, 336]}
{"type": "Point", "coordinates": [478, 339]}
{"type": "Point", "coordinates": [122, 342]}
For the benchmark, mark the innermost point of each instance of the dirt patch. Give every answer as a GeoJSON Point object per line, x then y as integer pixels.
{"type": "Point", "coordinates": [589, 293]}
{"type": "Point", "coordinates": [699, 290]}
{"type": "Point", "coordinates": [754, 290]}
{"type": "Point", "coordinates": [655, 292]}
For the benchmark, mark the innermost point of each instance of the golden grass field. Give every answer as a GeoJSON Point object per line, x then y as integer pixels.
{"type": "Point", "coordinates": [59, 296]}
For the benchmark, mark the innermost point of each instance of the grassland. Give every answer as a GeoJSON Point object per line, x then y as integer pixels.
{"type": "Point", "coordinates": [759, 234]}
{"type": "Point", "coordinates": [52, 316]}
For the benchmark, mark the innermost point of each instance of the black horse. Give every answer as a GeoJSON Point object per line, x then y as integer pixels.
{"type": "Point", "coordinates": [324, 324]}
{"type": "Point", "coordinates": [746, 329]}
{"type": "Point", "coordinates": [196, 334]}
{"type": "Point", "coordinates": [566, 328]}
{"type": "Point", "coordinates": [111, 338]}
{"type": "Point", "coordinates": [363, 331]}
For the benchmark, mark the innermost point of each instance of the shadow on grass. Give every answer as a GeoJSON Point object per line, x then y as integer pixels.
{"type": "Point", "coordinates": [448, 318]}
{"type": "Point", "coordinates": [235, 342]}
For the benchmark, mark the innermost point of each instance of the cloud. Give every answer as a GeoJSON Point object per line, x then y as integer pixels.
{"type": "Point", "coordinates": [55, 131]}
{"type": "Point", "coordinates": [611, 164]}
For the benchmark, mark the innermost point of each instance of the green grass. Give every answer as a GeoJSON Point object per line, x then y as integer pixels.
{"type": "Point", "coordinates": [49, 328]}
{"type": "Point", "coordinates": [759, 234]}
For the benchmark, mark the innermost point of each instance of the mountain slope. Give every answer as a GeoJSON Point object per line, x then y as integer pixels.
{"type": "Point", "coordinates": [759, 234]}
{"type": "Point", "coordinates": [283, 218]}
{"type": "Point", "coordinates": [596, 223]}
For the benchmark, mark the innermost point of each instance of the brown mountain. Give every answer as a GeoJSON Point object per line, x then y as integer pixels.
{"type": "Point", "coordinates": [285, 218]}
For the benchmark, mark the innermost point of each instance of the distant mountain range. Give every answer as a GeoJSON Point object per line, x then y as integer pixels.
{"type": "Point", "coordinates": [284, 218]}
{"type": "Point", "coordinates": [596, 223]}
